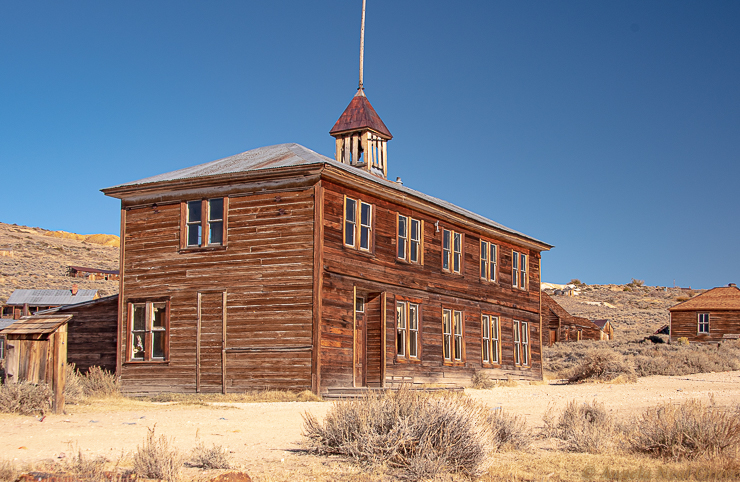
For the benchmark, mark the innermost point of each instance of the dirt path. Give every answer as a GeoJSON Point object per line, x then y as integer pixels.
{"type": "Point", "coordinates": [268, 433]}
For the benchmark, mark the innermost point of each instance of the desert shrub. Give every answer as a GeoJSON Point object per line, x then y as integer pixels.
{"type": "Point", "coordinates": [575, 281]}
{"type": "Point", "coordinates": [687, 430]}
{"type": "Point", "coordinates": [601, 365]}
{"type": "Point", "coordinates": [636, 283]}
{"type": "Point", "coordinates": [8, 471]}
{"type": "Point", "coordinates": [682, 298]}
{"type": "Point", "coordinates": [99, 383]}
{"type": "Point", "coordinates": [25, 398]}
{"type": "Point", "coordinates": [73, 390]}
{"type": "Point", "coordinates": [156, 459]}
{"type": "Point", "coordinates": [582, 427]}
{"type": "Point", "coordinates": [86, 468]}
{"type": "Point", "coordinates": [482, 382]}
{"type": "Point", "coordinates": [215, 457]}
{"type": "Point", "coordinates": [682, 340]}
{"type": "Point", "coordinates": [420, 434]}
{"type": "Point", "coordinates": [508, 431]}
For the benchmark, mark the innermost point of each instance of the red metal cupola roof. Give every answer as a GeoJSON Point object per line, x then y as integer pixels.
{"type": "Point", "coordinates": [359, 115]}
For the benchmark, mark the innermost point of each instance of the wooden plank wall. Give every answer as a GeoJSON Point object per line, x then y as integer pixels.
{"type": "Point", "coordinates": [267, 272]}
{"type": "Point", "coordinates": [684, 324]}
{"type": "Point", "coordinates": [91, 336]}
{"type": "Point", "coordinates": [346, 269]}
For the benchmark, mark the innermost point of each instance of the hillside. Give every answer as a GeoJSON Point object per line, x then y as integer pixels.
{"type": "Point", "coordinates": [634, 311]}
{"type": "Point", "coordinates": [34, 258]}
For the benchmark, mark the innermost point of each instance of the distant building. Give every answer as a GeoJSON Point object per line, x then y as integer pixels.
{"type": "Point", "coordinates": [559, 325]}
{"type": "Point", "coordinates": [4, 323]}
{"type": "Point", "coordinates": [28, 302]}
{"type": "Point", "coordinates": [92, 274]}
{"type": "Point", "coordinates": [607, 331]}
{"type": "Point", "coordinates": [712, 316]}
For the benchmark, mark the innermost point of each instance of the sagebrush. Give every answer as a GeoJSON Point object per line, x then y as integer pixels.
{"type": "Point", "coordinates": [508, 431]}
{"type": "Point", "coordinates": [601, 365]}
{"type": "Point", "coordinates": [214, 457]}
{"type": "Point", "coordinates": [687, 430]}
{"type": "Point", "coordinates": [157, 458]}
{"type": "Point", "coordinates": [25, 398]}
{"type": "Point", "coordinates": [418, 433]}
{"type": "Point", "coordinates": [582, 427]}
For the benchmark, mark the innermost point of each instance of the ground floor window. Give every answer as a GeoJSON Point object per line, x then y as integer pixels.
{"type": "Point", "coordinates": [521, 343]}
{"type": "Point", "coordinates": [703, 323]}
{"type": "Point", "coordinates": [490, 343]}
{"type": "Point", "coordinates": [148, 323]}
{"type": "Point", "coordinates": [407, 329]}
{"type": "Point", "coordinates": [452, 335]}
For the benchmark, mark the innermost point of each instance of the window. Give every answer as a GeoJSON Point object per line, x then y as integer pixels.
{"type": "Point", "coordinates": [452, 335]}
{"type": "Point", "coordinates": [519, 270]}
{"type": "Point", "coordinates": [407, 330]}
{"type": "Point", "coordinates": [490, 335]}
{"type": "Point", "coordinates": [703, 323]}
{"type": "Point", "coordinates": [451, 251]}
{"type": "Point", "coordinates": [521, 343]}
{"type": "Point", "coordinates": [409, 239]}
{"type": "Point", "coordinates": [488, 260]}
{"type": "Point", "coordinates": [357, 235]}
{"type": "Point", "coordinates": [148, 331]}
{"type": "Point", "coordinates": [204, 223]}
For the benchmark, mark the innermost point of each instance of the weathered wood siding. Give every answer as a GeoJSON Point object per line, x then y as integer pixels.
{"type": "Point", "coordinates": [721, 323]}
{"type": "Point", "coordinates": [91, 334]}
{"type": "Point", "coordinates": [347, 270]}
{"type": "Point", "coordinates": [267, 274]}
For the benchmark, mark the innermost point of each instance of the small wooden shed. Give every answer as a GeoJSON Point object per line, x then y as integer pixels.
{"type": "Point", "coordinates": [37, 352]}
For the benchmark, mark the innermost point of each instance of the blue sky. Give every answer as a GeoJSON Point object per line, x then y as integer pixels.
{"type": "Point", "coordinates": [609, 129]}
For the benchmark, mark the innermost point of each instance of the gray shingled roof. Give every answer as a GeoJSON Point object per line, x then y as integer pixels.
{"type": "Point", "coordinates": [50, 297]}
{"type": "Point", "coordinates": [285, 155]}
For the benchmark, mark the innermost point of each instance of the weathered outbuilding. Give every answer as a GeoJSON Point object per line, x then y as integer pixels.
{"type": "Point", "coordinates": [559, 325]}
{"type": "Point", "coordinates": [712, 316]}
{"type": "Point", "coordinates": [607, 330]}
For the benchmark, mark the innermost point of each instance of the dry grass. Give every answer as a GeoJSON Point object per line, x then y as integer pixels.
{"type": "Point", "coordinates": [25, 398]}
{"type": "Point", "coordinates": [157, 458]}
{"type": "Point", "coordinates": [509, 432]}
{"type": "Point", "coordinates": [688, 430]}
{"type": "Point", "coordinates": [86, 468]}
{"type": "Point", "coordinates": [9, 471]}
{"type": "Point", "coordinates": [419, 434]}
{"type": "Point", "coordinates": [253, 396]}
{"type": "Point", "coordinates": [95, 383]}
{"type": "Point", "coordinates": [215, 457]}
{"type": "Point", "coordinates": [582, 427]}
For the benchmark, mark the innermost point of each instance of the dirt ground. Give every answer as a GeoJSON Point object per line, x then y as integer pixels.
{"type": "Point", "coordinates": [263, 436]}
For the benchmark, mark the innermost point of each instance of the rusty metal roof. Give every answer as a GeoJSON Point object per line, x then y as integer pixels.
{"type": "Point", "coordinates": [287, 155]}
{"type": "Point", "coordinates": [359, 114]}
{"type": "Point", "coordinates": [36, 324]}
{"type": "Point", "coordinates": [50, 297]}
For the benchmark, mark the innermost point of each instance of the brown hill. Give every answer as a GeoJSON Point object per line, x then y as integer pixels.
{"type": "Point", "coordinates": [34, 258]}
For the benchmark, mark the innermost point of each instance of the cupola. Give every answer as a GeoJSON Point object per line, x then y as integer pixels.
{"type": "Point", "coordinates": [361, 137]}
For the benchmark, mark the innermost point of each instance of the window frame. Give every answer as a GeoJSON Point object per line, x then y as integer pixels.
{"type": "Point", "coordinates": [448, 254]}
{"type": "Point", "coordinates": [148, 330]}
{"type": "Point", "coordinates": [700, 323]}
{"type": "Point", "coordinates": [519, 270]}
{"type": "Point", "coordinates": [408, 239]}
{"type": "Point", "coordinates": [358, 226]}
{"type": "Point", "coordinates": [522, 349]}
{"type": "Point", "coordinates": [488, 322]}
{"type": "Point", "coordinates": [450, 339]}
{"type": "Point", "coordinates": [405, 307]}
{"type": "Point", "coordinates": [205, 225]}
{"type": "Point", "coordinates": [489, 262]}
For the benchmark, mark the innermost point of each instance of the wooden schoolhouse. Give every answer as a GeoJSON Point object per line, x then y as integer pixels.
{"type": "Point", "coordinates": [283, 268]}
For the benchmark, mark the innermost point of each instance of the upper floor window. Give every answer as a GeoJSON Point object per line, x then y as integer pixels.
{"type": "Point", "coordinates": [452, 243]}
{"type": "Point", "coordinates": [521, 343]}
{"type": "Point", "coordinates": [452, 335]}
{"type": "Point", "coordinates": [490, 334]}
{"type": "Point", "coordinates": [409, 239]}
{"type": "Point", "coordinates": [703, 323]}
{"type": "Point", "coordinates": [148, 329]}
{"type": "Point", "coordinates": [488, 261]}
{"type": "Point", "coordinates": [204, 223]}
{"type": "Point", "coordinates": [358, 221]}
{"type": "Point", "coordinates": [407, 330]}
{"type": "Point", "coordinates": [519, 270]}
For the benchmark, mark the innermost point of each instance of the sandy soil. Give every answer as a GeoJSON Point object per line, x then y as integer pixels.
{"type": "Point", "coordinates": [262, 434]}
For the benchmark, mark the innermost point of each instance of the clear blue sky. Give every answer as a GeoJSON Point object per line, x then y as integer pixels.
{"type": "Point", "coordinates": [609, 129]}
